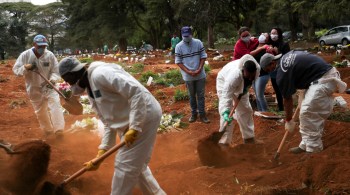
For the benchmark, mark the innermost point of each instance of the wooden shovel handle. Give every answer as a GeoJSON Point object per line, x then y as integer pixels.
{"type": "Point", "coordinates": [52, 85]}
{"type": "Point", "coordinates": [296, 113]}
{"type": "Point", "coordinates": [232, 112]}
{"type": "Point", "coordinates": [94, 162]}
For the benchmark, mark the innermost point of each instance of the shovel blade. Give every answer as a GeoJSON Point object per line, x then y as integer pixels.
{"type": "Point", "coordinates": [73, 106]}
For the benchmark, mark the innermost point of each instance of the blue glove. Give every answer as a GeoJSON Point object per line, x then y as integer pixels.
{"type": "Point", "coordinates": [227, 117]}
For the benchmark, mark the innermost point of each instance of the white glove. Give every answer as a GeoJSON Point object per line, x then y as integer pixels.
{"type": "Point", "coordinates": [290, 126]}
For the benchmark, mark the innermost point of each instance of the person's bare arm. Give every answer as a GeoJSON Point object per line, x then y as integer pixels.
{"type": "Point", "coordinates": [288, 107]}
{"type": "Point", "coordinates": [183, 67]}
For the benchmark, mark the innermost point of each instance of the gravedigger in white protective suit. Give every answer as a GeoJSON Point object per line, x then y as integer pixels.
{"type": "Point", "coordinates": [126, 108]}
{"type": "Point", "coordinates": [302, 70]}
{"type": "Point", "coordinates": [232, 83]}
{"type": "Point", "coordinates": [45, 100]}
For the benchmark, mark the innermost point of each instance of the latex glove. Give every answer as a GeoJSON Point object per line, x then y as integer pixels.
{"type": "Point", "coordinates": [90, 166]}
{"type": "Point", "coordinates": [227, 117]}
{"type": "Point", "coordinates": [130, 136]}
{"type": "Point", "coordinates": [30, 66]}
{"type": "Point", "coordinates": [290, 126]}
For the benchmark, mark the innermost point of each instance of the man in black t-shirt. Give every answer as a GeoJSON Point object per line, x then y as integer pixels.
{"type": "Point", "coordinates": [302, 70]}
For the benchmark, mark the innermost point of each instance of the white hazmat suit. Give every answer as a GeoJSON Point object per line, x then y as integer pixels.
{"type": "Point", "coordinates": [230, 83]}
{"type": "Point", "coordinates": [316, 108]}
{"type": "Point", "coordinates": [123, 103]}
{"type": "Point", "coordinates": [45, 101]}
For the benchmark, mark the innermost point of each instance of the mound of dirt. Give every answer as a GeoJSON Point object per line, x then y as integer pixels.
{"type": "Point", "coordinates": [25, 170]}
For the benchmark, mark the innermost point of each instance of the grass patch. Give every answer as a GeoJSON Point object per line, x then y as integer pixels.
{"type": "Point", "coordinates": [172, 77]}
{"type": "Point", "coordinates": [86, 60]}
{"type": "Point", "coordinates": [207, 68]}
{"type": "Point", "coordinates": [343, 116]}
{"type": "Point", "coordinates": [144, 76]}
{"type": "Point", "coordinates": [136, 68]}
{"type": "Point", "coordinates": [181, 95]}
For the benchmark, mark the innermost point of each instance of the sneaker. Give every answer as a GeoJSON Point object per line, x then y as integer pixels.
{"type": "Point", "coordinates": [193, 118]}
{"type": "Point", "coordinates": [296, 150]}
{"type": "Point", "coordinates": [204, 119]}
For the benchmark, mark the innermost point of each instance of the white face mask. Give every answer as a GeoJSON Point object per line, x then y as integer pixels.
{"type": "Point", "coordinates": [187, 39]}
{"type": "Point", "coordinates": [246, 39]}
{"type": "Point", "coordinates": [274, 37]}
{"type": "Point", "coordinates": [76, 89]}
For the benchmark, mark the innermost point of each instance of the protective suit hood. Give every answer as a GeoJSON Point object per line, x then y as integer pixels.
{"type": "Point", "coordinates": [247, 57]}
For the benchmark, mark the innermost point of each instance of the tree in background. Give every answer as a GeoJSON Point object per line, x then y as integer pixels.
{"type": "Point", "coordinates": [14, 26]}
{"type": "Point", "coordinates": [49, 20]}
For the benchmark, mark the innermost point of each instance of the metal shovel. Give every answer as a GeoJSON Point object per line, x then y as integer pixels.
{"type": "Point", "coordinates": [7, 147]}
{"type": "Point", "coordinates": [216, 136]}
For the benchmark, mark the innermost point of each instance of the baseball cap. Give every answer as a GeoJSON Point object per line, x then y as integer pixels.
{"type": "Point", "coordinates": [186, 31]}
{"type": "Point", "coordinates": [267, 58]}
{"type": "Point", "coordinates": [69, 64]}
{"type": "Point", "coordinates": [40, 40]}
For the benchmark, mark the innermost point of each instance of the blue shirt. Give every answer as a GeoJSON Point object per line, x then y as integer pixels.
{"type": "Point", "coordinates": [190, 54]}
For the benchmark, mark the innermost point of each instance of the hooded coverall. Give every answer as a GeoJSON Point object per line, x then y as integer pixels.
{"type": "Point", "coordinates": [230, 83]}
{"type": "Point", "coordinates": [45, 101]}
{"type": "Point", "coordinates": [123, 103]}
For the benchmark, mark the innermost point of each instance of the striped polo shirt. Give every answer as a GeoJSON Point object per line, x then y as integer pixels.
{"type": "Point", "coordinates": [189, 54]}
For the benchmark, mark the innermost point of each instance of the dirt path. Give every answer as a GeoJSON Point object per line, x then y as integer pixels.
{"type": "Point", "coordinates": [175, 162]}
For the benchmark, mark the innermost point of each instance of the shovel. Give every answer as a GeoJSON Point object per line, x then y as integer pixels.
{"type": "Point", "coordinates": [72, 105]}
{"type": "Point", "coordinates": [216, 136]}
{"type": "Point", "coordinates": [7, 147]}
{"type": "Point", "coordinates": [296, 113]}
{"type": "Point", "coordinates": [49, 188]}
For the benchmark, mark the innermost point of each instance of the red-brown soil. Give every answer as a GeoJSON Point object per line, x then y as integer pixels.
{"type": "Point", "coordinates": [242, 169]}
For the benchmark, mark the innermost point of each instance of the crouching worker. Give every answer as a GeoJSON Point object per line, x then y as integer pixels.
{"type": "Point", "coordinates": [126, 108]}
{"type": "Point", "coordinates": [232, 85]}
{"type": "Point", "coordinates": [302, 70]}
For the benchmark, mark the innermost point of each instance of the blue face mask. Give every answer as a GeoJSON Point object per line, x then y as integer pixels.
{"type": "Point", "coordinates": [40, 51]}
{"type": "Point", "coordinates": [187, 39]}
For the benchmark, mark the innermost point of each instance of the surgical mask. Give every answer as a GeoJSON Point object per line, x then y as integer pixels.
{"type": "Point", "coordinates": [246, 39]}
{"type": "Point", "coordinates": [40, 51]}
{"type": "Point", "coordinates": [76, 89]}
{"type": "Point", "coordinates": [187, 39]}
{"type": "Point", "coordinates": [274, 37]}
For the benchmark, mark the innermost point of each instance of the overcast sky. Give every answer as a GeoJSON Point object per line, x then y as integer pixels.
{"type": "Point", "coordinates": [42, 2]}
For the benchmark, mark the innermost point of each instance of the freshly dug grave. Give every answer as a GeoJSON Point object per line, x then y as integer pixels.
{"type": "Point", "coordinates": [21, 173]}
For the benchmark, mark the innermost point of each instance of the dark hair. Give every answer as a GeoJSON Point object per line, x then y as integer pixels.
{"type": "Point", "coordinates": [242, 29]}
{"type": "Point", "coordinates": [250, 66]}
{"type": "Point", "coordinates": [279, 33]}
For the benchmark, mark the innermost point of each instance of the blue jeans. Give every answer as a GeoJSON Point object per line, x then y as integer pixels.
{"type": "Point", "coordinates": [196, 91]}
{"type": "Point", "coordinates": [259, 87]}
{"type": "Point", "coordinates": [278, 94]}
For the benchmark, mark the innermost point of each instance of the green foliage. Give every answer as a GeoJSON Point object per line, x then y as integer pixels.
{"type": "Point", "coordinates": [343, 116]}
{"type": "Point", "coordinates": [86, 60]}
{"type": "Point", "coordinates": [173, 77]}
{"type": "Point", "coordinates": [137, 68]}
{"type": "Point", "coordinates": [181, 95]}
{"type": "Point", "coordinates": [215, 103]}
{"type": "Point", "coordinates": [207, 68]}
{"type": "Point", "coordinates": [321, 32]}
{"type": "Point", "coordinates": [144, 76]}
{"type": "Point", "coordinates": [340, 64]}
